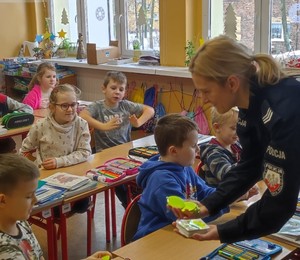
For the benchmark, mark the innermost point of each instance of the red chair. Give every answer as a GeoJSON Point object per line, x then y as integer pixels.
{"type": "Point", "coordinates": [200, 171]}
{"type": "Point", "coordinates": [130, 221]}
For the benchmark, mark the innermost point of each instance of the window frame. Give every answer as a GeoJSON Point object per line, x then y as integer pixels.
{"type": "Point", "coordinates": [119, 19]}
{"type": "Point", "coordinates": [262, 41]}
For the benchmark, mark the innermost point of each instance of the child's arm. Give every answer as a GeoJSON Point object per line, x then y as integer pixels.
{"type": "Point", "coordinates": [148, 112]}
{"type": "Point", "coordinates": [14, 105]}
{"type": "Point", "coordinates": [94, 123]}
{"type": "Point", "coordinates": [218, 163]}
{"type": "Point", "coordinates": [30, 143]}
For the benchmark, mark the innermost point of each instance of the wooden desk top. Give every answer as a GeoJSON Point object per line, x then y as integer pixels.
{"type": "Point", "coordinates": [97, 160]}
{"type": "Point", "coordinates": [166, 244]}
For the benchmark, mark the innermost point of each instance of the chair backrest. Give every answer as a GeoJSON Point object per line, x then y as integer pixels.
{"type": "Point", "coordinates": [199, 170]}
{"type": "Point", "coordinates": [130, 221]}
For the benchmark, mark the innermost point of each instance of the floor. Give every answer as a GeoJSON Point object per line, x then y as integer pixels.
{"type": "Point", "coordinates": [76, 226]}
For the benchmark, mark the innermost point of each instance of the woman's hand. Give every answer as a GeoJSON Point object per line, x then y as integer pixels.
{"type": "Point", "coordinates": [212, 234]}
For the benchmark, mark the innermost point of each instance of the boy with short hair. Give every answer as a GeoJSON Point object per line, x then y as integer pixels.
{"type": "Point", "coordinates": [170, 173]}
{"type": "Point", "coordinates": [18, 183]}
{"type": "Point", "coordinates": [113, 117]}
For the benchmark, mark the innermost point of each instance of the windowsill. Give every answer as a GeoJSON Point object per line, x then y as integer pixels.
{"type": "Point", "coordinates": [181, 72]}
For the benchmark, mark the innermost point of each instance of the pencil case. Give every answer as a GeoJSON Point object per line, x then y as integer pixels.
{"type": "Point", "coordinates": [144, 152]}
{"type": "Point", "coordinates": [257, 249]}
{"type": "Point", "coordinates": [114, 170]}
{"type": "Point", "coordinates": [17, 119]}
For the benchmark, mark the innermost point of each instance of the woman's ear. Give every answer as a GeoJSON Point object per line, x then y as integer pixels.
{"type": "Point", "coordinates": [233, 82]}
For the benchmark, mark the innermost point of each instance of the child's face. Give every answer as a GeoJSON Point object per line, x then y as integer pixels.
{"type": "Point", "coordinates": [114, 92]}
{"type": "Point", "coordinates": [48, 80]}
{"type": "Point", "coordinates": [19, 203]}
{"type": "Point", "coordinates": [187, 153]}
{"type": "Point", "coordinates": [227, 131]}
{"type": "Point", "coordinates": [65, 109]}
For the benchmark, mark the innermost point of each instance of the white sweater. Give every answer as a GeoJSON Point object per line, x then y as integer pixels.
{"type": "Point", "coordinates": [69, 143]}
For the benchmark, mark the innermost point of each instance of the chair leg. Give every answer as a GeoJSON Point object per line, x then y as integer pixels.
{"type": "Point", "coordinates": [107, 218]}
{"type": "Point", "coordinates": [113, 212]}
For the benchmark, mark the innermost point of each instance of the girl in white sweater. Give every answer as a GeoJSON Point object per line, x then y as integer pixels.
{"type": "Point", "coordinates": [62, 138]}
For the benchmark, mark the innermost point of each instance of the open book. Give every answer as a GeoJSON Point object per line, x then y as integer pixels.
{"type": "Point", "coordinates": [66, 180]}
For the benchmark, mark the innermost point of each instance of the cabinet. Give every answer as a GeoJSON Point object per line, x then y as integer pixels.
{"type": "Point", "coordinates": [17, 90]}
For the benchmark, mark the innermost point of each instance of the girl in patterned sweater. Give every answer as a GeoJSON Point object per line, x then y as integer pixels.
{"type": "Point", "coordinates": [62, 138]}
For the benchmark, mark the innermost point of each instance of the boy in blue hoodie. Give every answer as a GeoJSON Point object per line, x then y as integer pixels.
{"type": "Point", "coordinates": [170, 173]}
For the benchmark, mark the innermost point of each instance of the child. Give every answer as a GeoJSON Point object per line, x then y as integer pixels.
{"type": "Point", "coordinates": [18, 182]}
{"type": "Point", "coordinates": [8, 105]}
{"type": "Point", "coordinates": [62, 138]}
{"type": "Point", "coordinates": [222, 152]}
{"type": "Point", "coordinates": [113, 117]}
{"type": "Point", "coordinates": [8, 145]}
{"type": "Point", "coordinates": [176, 137]}
{"type": "Point", "coordinates": [41, 86]}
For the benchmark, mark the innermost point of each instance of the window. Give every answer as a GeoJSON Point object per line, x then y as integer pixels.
{"type": "Point", "coordinates": [129, 21]}
{"type": "Point", "coordinates": [262, 25]}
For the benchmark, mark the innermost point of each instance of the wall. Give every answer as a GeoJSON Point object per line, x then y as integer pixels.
{"type": "Point", "coordinates": [19, 20]}
{"type": "Point", "coordinates": [90, 82]}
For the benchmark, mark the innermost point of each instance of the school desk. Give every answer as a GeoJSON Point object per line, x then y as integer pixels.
{"type": "Point", "coordinates": [80, 169]}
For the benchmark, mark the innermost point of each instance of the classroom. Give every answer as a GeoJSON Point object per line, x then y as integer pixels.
{"type": "Point", "coordinates": [85, 87]}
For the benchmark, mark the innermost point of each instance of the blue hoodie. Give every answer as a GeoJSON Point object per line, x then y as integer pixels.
{"type": "Point", "coordinates": [162, 179]}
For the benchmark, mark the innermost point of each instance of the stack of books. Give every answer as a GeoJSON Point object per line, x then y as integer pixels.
{"type": "Point", "coordinates": [62, 185]}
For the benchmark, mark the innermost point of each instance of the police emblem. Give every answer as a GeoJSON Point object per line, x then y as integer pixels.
{"type": "Point", "coordinates": [273, 178]}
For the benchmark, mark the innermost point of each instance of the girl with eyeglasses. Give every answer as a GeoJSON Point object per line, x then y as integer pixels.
{"type": "Point", "coordinates": [62, 138]}
{"type": "Point", "coordinates": [41, 86]}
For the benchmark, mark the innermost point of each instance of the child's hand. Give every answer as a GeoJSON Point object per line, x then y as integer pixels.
{"type": "Point", "coordinates": [49, 163]}
{"type": "Point", "coordinates": [179, 213]}
{"type": "Point", "coordinates": [134, 121]}
{"type": "Point", "coordinates": [99, 255]}
{"type": "Point", "coordinates": [113, 124]}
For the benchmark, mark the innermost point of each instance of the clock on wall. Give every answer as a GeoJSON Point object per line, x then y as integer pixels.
{"type": "Point", "coordinates": [100, 13]}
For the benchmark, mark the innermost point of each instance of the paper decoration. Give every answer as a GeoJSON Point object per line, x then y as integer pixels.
{"type": "Point", "coordinates": [141, 18]}
{"type": "Point", "coordinates": [64, 17]}
{"type": "Point", "coordinates": [230, 23]}
{"type": "Point", "coordinates": [62, 34]}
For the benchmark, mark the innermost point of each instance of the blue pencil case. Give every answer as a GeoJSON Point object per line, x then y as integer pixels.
{"type": "Point", "coordinates": [257, 249]}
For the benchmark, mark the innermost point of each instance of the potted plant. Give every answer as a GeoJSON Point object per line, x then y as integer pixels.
{"type": "Point", "coordinates": [63, 48]}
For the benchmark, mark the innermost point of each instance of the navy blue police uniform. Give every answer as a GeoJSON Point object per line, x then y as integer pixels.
{"type": "Point", "coordinates": [269, 132]}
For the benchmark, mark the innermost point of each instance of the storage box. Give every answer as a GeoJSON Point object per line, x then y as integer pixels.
{"type": "Point", "coordinates": [96, 55]}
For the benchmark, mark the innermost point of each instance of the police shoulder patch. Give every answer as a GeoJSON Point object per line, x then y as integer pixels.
{"type": "Point", "coordinates": [273, 178]}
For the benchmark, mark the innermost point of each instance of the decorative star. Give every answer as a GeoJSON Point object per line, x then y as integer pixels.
{"type": "Point", "coordinates": [62, 34]}
{"type": "Point", "coordinates": [52, 37]}
{"type": "Point", "coordinates": [38, 38]}
{"type": "Point", "coordinates": [46, 35]}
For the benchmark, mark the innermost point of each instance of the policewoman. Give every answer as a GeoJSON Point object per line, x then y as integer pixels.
{"type": "Point", "coordinates": [227, 75]}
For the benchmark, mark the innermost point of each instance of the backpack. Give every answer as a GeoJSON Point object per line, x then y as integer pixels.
{"type": "Point", "coordinates": [158, 108]}
{"type": "Point", "coordinates": [137, 94]}
{"type": "Point", "coordinates": [201, 121]}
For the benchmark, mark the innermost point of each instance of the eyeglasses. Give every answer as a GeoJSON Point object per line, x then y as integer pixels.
{"type": "Point", "coordinates": [65, 106]}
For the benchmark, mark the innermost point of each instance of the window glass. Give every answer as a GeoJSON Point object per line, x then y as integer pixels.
{"type": "Point", "coordinates": [65, 19]}
{"type": "Point", "coordinates": [285, 23]}
{"type": "Point", "coordinates": [233, 18]}
{"type": "Point", "coordinates": [97, 22]}
{"type": "Point", "coordinates": [141, 24]}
